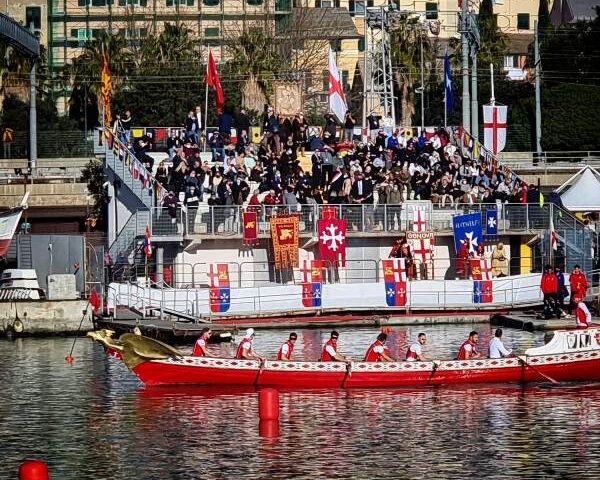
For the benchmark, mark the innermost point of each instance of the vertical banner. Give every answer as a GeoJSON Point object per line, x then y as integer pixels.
{"type": "Point", "coordinates": [312, 286]}
{"type": "Point", "coordinates": [250, 229]}
{"type": "Point", "coordinates": [285, 237]}
{"type": "Point", "coordinates": [421, 245]}
{"type": "Point", "coordinates": [467, 228]}
{"type": "Point", "coordinates": [332, 241]}
{"type": "Point", "coordinates": [219, 287]}
{"type": "Point", "coordinates": [419, 223]}
{"type": "Point", "coordinates": [482, 283]}
{"type": "Point", "coordinates": [394, 276]}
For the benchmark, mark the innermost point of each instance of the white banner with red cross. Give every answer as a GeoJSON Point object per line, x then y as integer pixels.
{"type": "Point", "coordinates": [419, 223]}
{"type": "Point", "coordinates": [494, 127]}
{"type": "Point", "coordinates": [421, 246]}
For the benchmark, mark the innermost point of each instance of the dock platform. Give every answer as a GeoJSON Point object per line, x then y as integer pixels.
{"type": "Point", "coordinates": [529, 321]}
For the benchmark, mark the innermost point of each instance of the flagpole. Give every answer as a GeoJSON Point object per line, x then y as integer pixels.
{"type": "Point", "coordinates": [206, 105]}
{"type": "Point", "coordinates": [493, 98]}
{"type": "Point", "coordinates": [445, 105]}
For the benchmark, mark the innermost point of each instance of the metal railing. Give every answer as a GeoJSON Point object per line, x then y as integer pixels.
{"type": "Point", "coordinates": [50, 144]}
{"type": "Point", "coordinates": [217, 220]}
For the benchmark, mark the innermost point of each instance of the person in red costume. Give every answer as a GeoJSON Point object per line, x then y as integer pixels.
{"type": "Point", "coordinates": [549, 287]}
{"type": "Point", "coordinates": [200, 347]}
{"type": "Point", "coordinates": [579, 286]}
{"type": "Point", "coordinates": [378, 352]}
{"type": "Point", "coordinates": [285, 351]}
{"type": "Point", "coordinates": [462, 262]}
{"type": "Point", "coordinates": [468, 350]}
{"type": "Point", "coordinates": [330, 352]}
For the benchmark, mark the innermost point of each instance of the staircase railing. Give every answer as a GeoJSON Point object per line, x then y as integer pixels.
{"type": "Point", "coordinates": [126, 240]}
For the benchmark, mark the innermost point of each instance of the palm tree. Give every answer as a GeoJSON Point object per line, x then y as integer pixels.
{"type": "Point", "coordinates": [255, 59]}
{"type": "Point", "coordinates": [406, 40]}
{"type": "Point", "coordinates": [174, 44]}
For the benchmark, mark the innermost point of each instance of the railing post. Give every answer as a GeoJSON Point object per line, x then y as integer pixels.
{"type": "Point", "coordinates": [527, 217]}
{"type": "Point", "coordinates": [362, 213]}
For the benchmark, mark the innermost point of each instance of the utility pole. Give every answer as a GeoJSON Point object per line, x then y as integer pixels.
{"type": "Point", "coordinates": [538, 103]}
{"type": "Point", "coordinates": [366, 78]}
{"type": "Point", "coordinates": [32, 115]}
{"type": "Point", "coordinates": [421, 33]}
{"type": "Point", "coordinates": [474, 99]}
{"type": "Point", "coordinates": [466, 115]}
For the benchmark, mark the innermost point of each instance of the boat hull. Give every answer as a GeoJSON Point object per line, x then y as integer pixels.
{"type": "Point", "coordinates": [581, 366]}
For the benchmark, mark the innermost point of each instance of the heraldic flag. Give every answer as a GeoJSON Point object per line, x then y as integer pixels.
{"type": "Point", "coordinates": [482, 283]}
{"type": "Point", "coordinates": [219, 290]}
{"type": "Point", "coordinates": [312, 283]}
{"type": "Point", "coordinates": [394, 276]}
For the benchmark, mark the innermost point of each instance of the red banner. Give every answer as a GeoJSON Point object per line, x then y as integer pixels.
{"type": "Point", "coordinates": [250, 229]}
{"type": "Point", "coordinates": [332, 240]}
{"type": "Point", "coordinates": [329, 212]}
{"type": "Point", "coordinates": [285, 237]}
{"type": "Point", "coordinates": [476, 269]}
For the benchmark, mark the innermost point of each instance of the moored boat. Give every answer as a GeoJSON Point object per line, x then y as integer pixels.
{"type": "Point", "coordinates": [571, 355]}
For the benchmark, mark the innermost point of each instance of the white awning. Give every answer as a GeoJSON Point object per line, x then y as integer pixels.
{"type": "Point", "coordinates": [581, 192]}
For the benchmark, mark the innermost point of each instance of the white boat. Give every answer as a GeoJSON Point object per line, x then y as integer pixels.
{"type": "Point", "coordinates": [20, 284]}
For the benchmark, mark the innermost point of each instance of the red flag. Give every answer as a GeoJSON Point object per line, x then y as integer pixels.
{"type": "Point", "coordinates": [94, 300]}
{"type": "Point", "coordinates": [250, 229]}
{"type": "Point", "coordinates": [332, 240]}
{"type": "Point", "coordinates": [214, 81]}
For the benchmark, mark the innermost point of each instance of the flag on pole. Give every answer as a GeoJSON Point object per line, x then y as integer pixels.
{"type": "Point", "coordinates": [337, 100]}
{"type": "Point", "coordinates": [147, 248]}
{"type": "Point", "coordinates": [106, 92]}
{"type": "Point", "coordinates": [553, 239]}
{"type": "Point", "coordinates": [448, 93]}
{"type": "Point", "coordinates": [494, 127]}
{"type": "Point", "coordinates": [214, 81]}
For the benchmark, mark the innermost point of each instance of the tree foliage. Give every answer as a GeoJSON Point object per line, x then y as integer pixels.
{"type": "Point", "coordinates": [493, 42]}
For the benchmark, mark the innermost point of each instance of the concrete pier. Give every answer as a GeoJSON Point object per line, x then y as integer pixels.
{"type": "Point", "coordinates": [44, 317]}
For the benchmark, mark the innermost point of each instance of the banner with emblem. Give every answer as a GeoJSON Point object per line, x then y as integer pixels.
{"type": "Point", "coordinates": [421, 246]}
{"type": "Point", "coordinates": [394, 276]}
{"type": "Point", "coordinates": [219, 287]}
{"type": "Point", "coordinates": [312, 283]}
{"type": "Point", "coordinates": [332, 240]}
{"type": "Point", "coordinates": [285, 237]}
{"type": "Point", "coordinates": [482, 282]}
{"type": "Point", "coordinates": [106, 93]}
{"type": "Point", "coordinates": [250, 229]}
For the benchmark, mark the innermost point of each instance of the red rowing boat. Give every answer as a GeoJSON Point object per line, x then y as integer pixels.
{"type": "Point", "coordinates": [571, 355]}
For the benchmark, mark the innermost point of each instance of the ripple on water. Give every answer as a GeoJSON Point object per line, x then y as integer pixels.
{"type": "Point", "coordinates": [94, 420]}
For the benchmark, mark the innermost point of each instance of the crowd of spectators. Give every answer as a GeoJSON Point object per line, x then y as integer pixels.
{"type": "Point", "coordinates": [388, 168]}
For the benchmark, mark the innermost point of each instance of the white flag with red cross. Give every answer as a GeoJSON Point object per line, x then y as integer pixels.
{"type": "Point", "coordinates": [337, 100]}
{"type": "Point", "coordinates": [494, 127]}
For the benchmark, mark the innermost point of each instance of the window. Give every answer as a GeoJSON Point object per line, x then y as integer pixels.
{"type": "Point", "coordinates": [211, 32]}
{"type": "Point", "coordinates": [522, 21]}
{"type": "Point", "coordinates": [431, 11]}
{"type": "Point", "coordinates": [327, 3]}
{"type": "Point", "coordinates": [283, 5]}
{"type": "Point", "coordinates": [133, 33]}
{"type": "Point", "coordinates": [33, 16]}
{"type": "Point", "coordinates": [211, 3]}
{"type": "Point", "coordinates": [356, 7]}
{"type": "Point", "coordinates": [361, 44]}
{"type": "Point", "coordinates": [325, 80]}
{"type": "Point", "coordinates": [336, 45]}
{"type": "Point", "coordinates": [183, 3]}
{"type": "Point", "coordinates": [510, 61]}
{"type": "Point", "coordinates": [133, 3]}
{"type": "Point", "coordinates": [345, 84]}
{"type": "Point", "coordinates": [101, 3]}
{"type": "Point", "coordinates": [254, 2]}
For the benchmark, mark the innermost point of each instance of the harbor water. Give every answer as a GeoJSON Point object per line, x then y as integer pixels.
{"type": "Point", "coordinates": [94, 420]}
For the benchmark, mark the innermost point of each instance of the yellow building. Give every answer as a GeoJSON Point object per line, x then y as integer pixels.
{"type": "Point", "coordinates": [29, 13]}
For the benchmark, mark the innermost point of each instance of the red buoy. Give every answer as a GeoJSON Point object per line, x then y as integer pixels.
{"type": "Point", "coordinates": [33, 470]}
{"type": "Point", "coordinates": [268, 404]}
{"type": "Point", "coordinates": [268, 428]}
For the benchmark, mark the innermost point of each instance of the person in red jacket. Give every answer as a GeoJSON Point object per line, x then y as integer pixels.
{"type": "Point", "coordinates": [579, 286]}
{"type": "Point", "coordinates": [549, 287]}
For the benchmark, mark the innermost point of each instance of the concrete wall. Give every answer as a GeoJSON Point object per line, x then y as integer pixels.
{"type": "Point", "coordinates": [46, 317]}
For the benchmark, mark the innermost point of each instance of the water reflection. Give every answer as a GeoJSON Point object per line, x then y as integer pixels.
{"type": "Point", "coordinates": [94, 420]}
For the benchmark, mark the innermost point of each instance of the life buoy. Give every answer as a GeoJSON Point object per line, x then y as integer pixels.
{"type": "Point", "coordinates": [18, 326]}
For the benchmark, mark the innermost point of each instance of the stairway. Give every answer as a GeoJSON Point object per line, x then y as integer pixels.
{"type": "Point", "coordinates": [126, 241]}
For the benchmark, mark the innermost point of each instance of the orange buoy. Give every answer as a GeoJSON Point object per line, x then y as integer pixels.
{"type": "Point", "coordinates": [268, 404]}
{"type": "Point", "coordinates": [69, 358]}
{"type": "Point", "coordinates": [33, 470]}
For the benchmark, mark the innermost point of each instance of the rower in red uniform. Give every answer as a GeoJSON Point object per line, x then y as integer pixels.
{"type": "Point", "coordinates": [583, 317]}
{"type": "Point", "coordinates": [285, 351]}
{"type": "Point", "coordinates": [415, 351]}
{"type": "Point", "coordinates": [200, 347]}
{"type": "Point", "coordinates": [378, 352]}
{"type": "Point", "coordinates": [330, 353]}
{"type": "Point", "coordinates": [245, 350]}
{"type": "Point", "coordinates": [468, 349]}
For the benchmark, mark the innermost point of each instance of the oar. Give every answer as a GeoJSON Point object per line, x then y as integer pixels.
{"type": "Point", "coordinates": [260, 370]}
{"type": "Point", "coordinates": [435, 367]}
{"type": "Point", "coordinates": [348, 373]}
{"type": "Point", "coordinates": [526, 364]}
{"type": "Point", "coordinates": [69, 358]}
